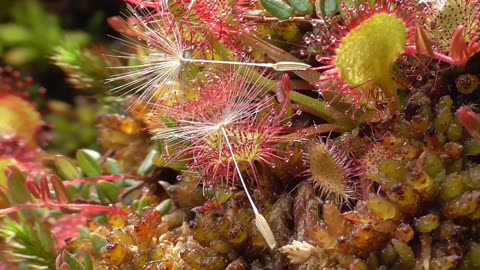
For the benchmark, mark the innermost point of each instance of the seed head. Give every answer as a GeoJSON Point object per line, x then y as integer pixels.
{"type": "Point", "coordinates": [165, 47]}
{"type": "Point", "coordinates": [153, 71]}
{"type": "Point", "coordinates": [224, 100]}
{"type": "Point", "coordinates": [228, 106]}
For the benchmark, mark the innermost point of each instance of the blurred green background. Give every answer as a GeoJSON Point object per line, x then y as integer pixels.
{"type": "Point", "coordinates": [30, 30]}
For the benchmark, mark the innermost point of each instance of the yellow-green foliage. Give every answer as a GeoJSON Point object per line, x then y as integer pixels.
{"type": "Point", "coordinates": [368, 52]}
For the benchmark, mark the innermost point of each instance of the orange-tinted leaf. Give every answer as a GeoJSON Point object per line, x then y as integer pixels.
{"type": "Point", "coordinates": [422, 42]}
{"type": "Point", "coordinates": [59, 188]}
{"type": "Point", "coordinates": [4, 200]}
{"type": "Point", "coordinates": [458, 50]}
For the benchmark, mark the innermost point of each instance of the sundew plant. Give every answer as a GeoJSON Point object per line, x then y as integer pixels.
{"type": "Point", "coordinates": [251, 135]}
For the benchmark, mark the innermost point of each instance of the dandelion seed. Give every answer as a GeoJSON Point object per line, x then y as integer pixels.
{"type": "Point", "coordinates": [223, 135]}
{"type": "Point", "coordinates": [158, 64]}
{"type": "Point", "coordinates": [223, 101]}
{"type": "Point", "coordinates": [260, 221]}
{"type": "Point", "coordinates": [164, 47]}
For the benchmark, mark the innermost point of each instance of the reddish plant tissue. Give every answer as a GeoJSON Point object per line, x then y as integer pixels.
{"type": "Point", "coordinates": [340, 136]}
{"type": "Point", "coordinates": [470, 121]}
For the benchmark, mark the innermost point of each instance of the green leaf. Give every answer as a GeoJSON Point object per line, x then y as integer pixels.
{"type": "Point", "coordinates": [83, 232]}
{"type": "Point", "coordinates": [45, 237]}
{"type": "Point", "coordinates": [330, 7]}
{"type": "Point", "coordinates": [88, 160]}
{"type": "Point", "coordinates": [65, 167]}
{"type": "Point", "coordinates": [29, 243]}
{"type": "Point", "coordinates": [278, 9]}
{"type": "Point", "coordinates": [471, 148]}
{"type": "Point", "coordinates": [142, 204]}
{"type": "Point", "coordinates": [114, 167]}
{"type": "Point", "coordinates": [86, 191]}
{"type": "Point", "coordinates": [165, 206]}
{"type": "Point", "coordinates": [98, 242]}
{"type": "Point", "coordinates": [404, 252]}
{"type": "Point", "coordinates": [87, 261]}
{"type": "Point", "coordinates": [107, 191]}
{"type": "Point", "coordinates": [16, 185]}
{"type": "Point", "coordinates": [72, 262]}
{"type": "Point", "coordinates": [302, 6]}
{"type": "Point", "coordinates": [368, 53]}
{"type": "Point", "coordinates": [18, 55]}
{"type": "Point", "coordinates": [147, 165]}
{"type": "Point", "coordinates": [14, 34]}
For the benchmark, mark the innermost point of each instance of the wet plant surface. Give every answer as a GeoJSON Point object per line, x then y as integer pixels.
{"type": "Point", "coordinates": [251, 135]}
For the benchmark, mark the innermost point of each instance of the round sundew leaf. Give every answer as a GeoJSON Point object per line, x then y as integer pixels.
{"type": "Point", "coordinates": [368, 52]}
{"type": "Point", "coordinates": [278, 9]}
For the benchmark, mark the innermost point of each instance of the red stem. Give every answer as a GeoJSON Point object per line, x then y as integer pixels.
{"type": "Point", "coordinates": [53, 204]}
{"type": "Point", "coordinates": [439, 56]}
{"type": "Point", "coordinates": [110, 178]}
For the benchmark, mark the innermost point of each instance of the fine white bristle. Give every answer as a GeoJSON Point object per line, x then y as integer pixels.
{"type": "Point", "coordinates": [260, 221]}
{"type": "Point", "coordinates": [150, 73]}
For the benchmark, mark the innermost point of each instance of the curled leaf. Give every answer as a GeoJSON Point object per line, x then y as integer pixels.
{"type": "Point", "coordinates": [422, 42]}
{"type": "Point", "coordinates": [60, 190]}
